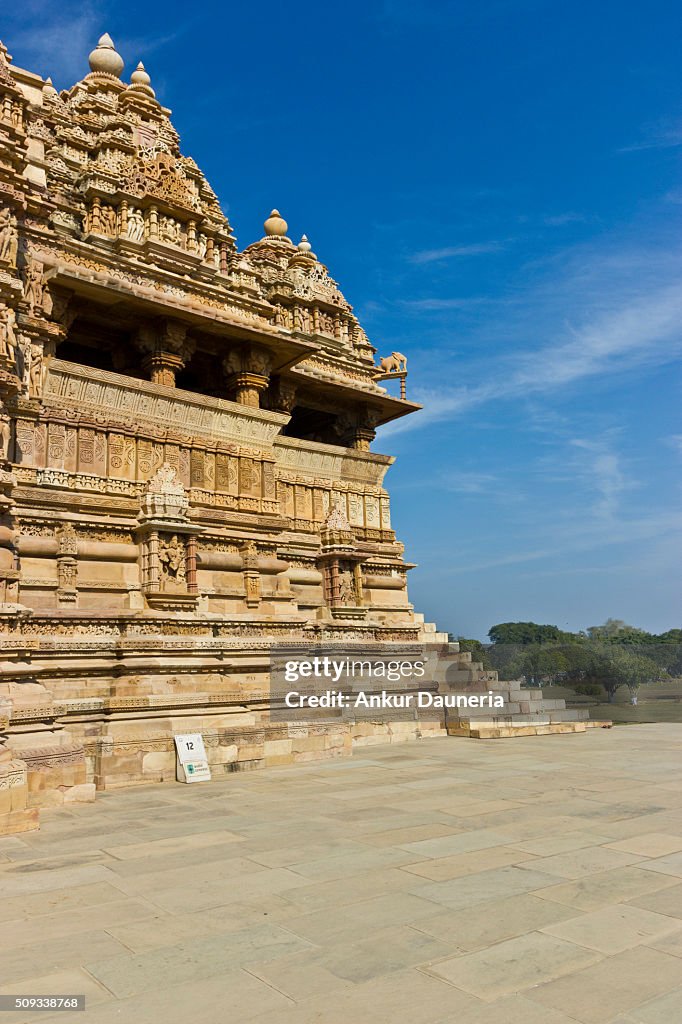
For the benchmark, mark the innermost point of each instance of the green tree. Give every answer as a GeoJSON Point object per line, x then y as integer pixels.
{"type": "Point", "coordinates": [614, 667]}
{"type": "Point", "coordinates": [618, 630]}
{"type": "Point", "coordinates": [540, 665]}
{"type": "Point", "coordinates": [523, 633]}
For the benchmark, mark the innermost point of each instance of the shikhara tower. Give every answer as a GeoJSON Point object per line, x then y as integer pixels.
{"type": "Point", "coordinates": [186, 473]}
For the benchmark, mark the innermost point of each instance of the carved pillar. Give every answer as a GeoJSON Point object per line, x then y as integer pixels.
{"type": "Point", "coordinates": [332, 577]}
{"type": "Point", "coordinates": [247, 372]}
{"type": "Point", "coordinates": [361, 433]}
{"type": "Point", "coordinates": [191, 561]}
{"type": "Point", "coordinates": [123, 218]}
{"type": "Point", "coordinates": [152, 569]}
{"type": "Point", "coordinates": [281, 395]}
{"type": "Point", "coordinates": [162, 367]}
{"type": "Point", "coordinates": [67, 564]}
{"type": "Point", "coordinates": [251, 574]}
{"type": "Point", "coordinates": [357, 578]}
{"type": "Point", "coordinates": [166, 349]}
{"type": "Point", "coordinates": [362, 439]}
{"type": "Point", "coordinates": [96, 215]}
{"type": "Point", "coordinates": [154, 222]}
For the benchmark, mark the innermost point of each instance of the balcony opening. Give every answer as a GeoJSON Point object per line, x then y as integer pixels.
{"type": "Point", "coordinates": [309, 424]}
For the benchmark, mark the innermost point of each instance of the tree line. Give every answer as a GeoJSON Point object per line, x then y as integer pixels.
{"type": "Point", "coordinates": [612, 655]}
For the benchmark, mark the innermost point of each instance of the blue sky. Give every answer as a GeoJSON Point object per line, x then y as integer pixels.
{"type": "Point", "coordinates": [497, 188]}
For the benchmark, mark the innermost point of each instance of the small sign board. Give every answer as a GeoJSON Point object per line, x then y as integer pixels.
{"type": "Point", "coordinates": [192, 763]}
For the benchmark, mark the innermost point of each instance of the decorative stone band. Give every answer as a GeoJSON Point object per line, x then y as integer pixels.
{"type": "Point", "coordinates": [77, 387]}
{"type": "Point", "coordinates": [41, 758]}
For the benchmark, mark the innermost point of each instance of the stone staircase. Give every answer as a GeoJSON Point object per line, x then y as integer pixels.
{"type": "Point", "coordinates": [525, 713]}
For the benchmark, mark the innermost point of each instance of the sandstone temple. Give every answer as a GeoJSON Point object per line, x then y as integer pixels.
{"type": "Point", "coordinates": [186, 473]}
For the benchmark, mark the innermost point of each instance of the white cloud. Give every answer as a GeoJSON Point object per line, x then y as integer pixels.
{"type": "Point", "coordinates": [434, 304]}
{"type": "Point", "coordinates": [675, 441]}
{"type": "Point", "coordinates": [629, 316]}
{"type": "Point", "coordinates": [602, 470]}
{"type": "Point", "coordinates": [435, 255]}
{"type": "Point", "coordinates": [467, 482]}
{"type": "Point", "coordinates": [559, 219]}
{"type": "Point", "coordinates": [663, 135]}
{"type": "Point", "coordinates": [60, 39]}
{"type": "Point", "coordinates": [62, 36]}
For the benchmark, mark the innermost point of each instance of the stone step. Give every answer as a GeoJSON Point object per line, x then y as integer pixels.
{"type": "Point", "coordinates": [569, 715]}
{"type": "Point", "coordinates": [498, 730]}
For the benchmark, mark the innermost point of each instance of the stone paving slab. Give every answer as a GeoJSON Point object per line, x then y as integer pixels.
{"type": "Point", "coordinates": [533, 882]}
{"type": "Point", "coordinates": [513, 965]}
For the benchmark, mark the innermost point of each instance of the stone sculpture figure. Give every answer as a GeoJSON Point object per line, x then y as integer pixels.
{"type": "Point", "coordinates": [172, 561]}
{"type": "Point", "coordinates": [8, 337]}
{"type": "Point", "coordinates": [395, 363]}
{"type": "Point", "coordinates": [108, 220]}
{"type": "Point", "coordinates": [33, 286]}
{"type": "Point", "coordinates": [8, 237]}
{"type": "Point", "coordinates": [5, 437]}
{"type": "Point", "coordinates": [170, 231]}
{"type": "Point", "coordinates": [24, 363]}
{"type": "Point", "coordinates": [135, 226]}
{"type": "Point", "coordinates": [35, 372]}
{"type": "Point", "coordinates": [346, 587]}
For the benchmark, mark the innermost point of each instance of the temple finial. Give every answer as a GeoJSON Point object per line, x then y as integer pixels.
{"type": "Point", "coordinates": [104, 59]}
{"type": "Point", "coordinates": [276, 225]}
{"type": "Point", "coordinates": [140, 80]}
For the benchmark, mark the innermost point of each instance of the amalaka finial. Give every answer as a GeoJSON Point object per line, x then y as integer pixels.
{"type": "Point", "coordinates": [276, 225]}
{"type": "Point", "coordinates": [49, 91]}
{"type": "Point", "coordinates": [304, 255]}
{"type": "Point", "coordinates": [141, 80]}
{"type": "Point", "coordinates": [104, 59]}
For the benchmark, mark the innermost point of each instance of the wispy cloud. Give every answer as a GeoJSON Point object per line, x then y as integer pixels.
{"type": "Point", "coordinates": [468, 482]}
{"type": "Point", "coordinates": [433, 304]}
{"type": "Point", "coordinates": [60, 39]}
{"type": "Point", "coordinates": [662, 135]}
{"type": "Point", "coordinates": [62, 36]}
{"type": "Point", "coordinates": [583, 538]}
{"type": "Point", "coordinates": [602, 468]}
{"type": "Point", "coordinates": [631, 317]}
{"type": "Point", "coordinates": [450, 251]}
{"type": "Point", "coordinates": [560, 219]}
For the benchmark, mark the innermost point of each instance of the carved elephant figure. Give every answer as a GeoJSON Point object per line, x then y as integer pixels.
{"type": "Point", "coordinates": [395, 363]}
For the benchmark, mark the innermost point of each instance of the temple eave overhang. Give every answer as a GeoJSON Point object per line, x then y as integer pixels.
{"type": "Point", "coordinates": [385, 406]}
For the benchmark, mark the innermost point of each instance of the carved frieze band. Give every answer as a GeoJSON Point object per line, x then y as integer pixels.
{"type": "Point", "coordinates": [107, 394]}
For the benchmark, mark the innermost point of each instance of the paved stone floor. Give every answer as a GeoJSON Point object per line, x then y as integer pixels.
{"type": "Point", "coordinates": [528, 881]}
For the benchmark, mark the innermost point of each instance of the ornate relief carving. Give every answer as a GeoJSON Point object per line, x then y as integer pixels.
{"type": "Point", "coordinates": [8, 237]}
{"type": "Point", "coordinates": [155, 172]}
{"type": "Point", "coordinates": [172, 560]}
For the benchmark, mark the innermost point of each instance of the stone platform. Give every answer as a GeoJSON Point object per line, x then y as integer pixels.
{"type": "Point", "coordinates": [536, 882]}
